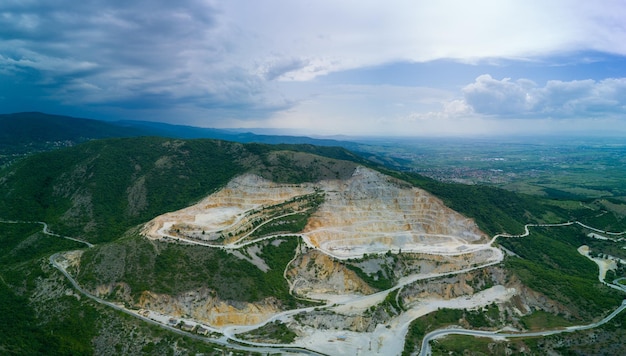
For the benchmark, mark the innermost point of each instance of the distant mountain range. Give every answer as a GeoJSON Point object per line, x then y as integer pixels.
{"type": "Point", "coordinates": [274, 209]}
{"type": "Point", "coordinates": [26, 132]}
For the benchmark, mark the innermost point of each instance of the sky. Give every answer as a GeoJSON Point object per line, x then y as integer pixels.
{"type": "Point", "coordinates": [365, 68]}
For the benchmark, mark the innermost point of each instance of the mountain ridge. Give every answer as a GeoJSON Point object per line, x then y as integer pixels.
{"type": "Point", "coordinates": [116, 183]}
{"type": "Point", "coordinates": [105, 190]}
{"type": "Point", "coordinates": [28, 132]}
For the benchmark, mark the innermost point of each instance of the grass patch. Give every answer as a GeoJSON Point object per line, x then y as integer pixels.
{"type": "Point", "coordinates": [275, 332]}
{"type": "Point", "coordinates": [284, 225]}
{"type": "Point", "coordinates": [429, 322]}
{"type": "Point", "coordinates": [453, 345]}
{"type": "Point", "coordinates": [541, 320]}
{"type": "Point", "coordinates": [460, 344]}
{"type": "Point", "coordinates": [381, 279]}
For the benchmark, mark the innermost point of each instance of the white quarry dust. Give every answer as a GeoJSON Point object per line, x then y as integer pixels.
{"type": "Point", "coordinates": [368, 213]}
{"type": "Point", "coordinates": [389, 339]}
{"type": "Point", "coordinates": [216, 218]}
{"type": "Point", "coordinates": [603, 264]}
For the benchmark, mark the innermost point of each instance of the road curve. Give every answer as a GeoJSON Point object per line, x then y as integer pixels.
{"type": "Point", "coordinates": [232, 342]}
{"type": "Point", "coordinates": [47, 231]}
{"type": "Point", "coordinates": [425, 350]}
{"type": "Point", "coordinates": [228, 342]}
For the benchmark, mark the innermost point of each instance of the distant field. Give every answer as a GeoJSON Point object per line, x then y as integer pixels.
{"type": "Point", "coordinates": [579, 168]}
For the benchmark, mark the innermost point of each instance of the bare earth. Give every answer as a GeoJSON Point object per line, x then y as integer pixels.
{"type": "Point", "coordinates": [367, 214]}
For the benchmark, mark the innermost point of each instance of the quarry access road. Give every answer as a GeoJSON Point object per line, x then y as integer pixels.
{"type": "Point", "coordinates": [47, 231]}
{"type": "Point", "coordinates": [425, 349]}
{"type": "Point", "coordinates": [231, 342]}
{"type": "Point", "coordinates": [234, 344]}
{"type": "Point", "coordinates": [498, 335]}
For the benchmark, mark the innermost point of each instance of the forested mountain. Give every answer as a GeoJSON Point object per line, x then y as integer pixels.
{"type": "Point", "coordinates": [28, 132]}
{"type": "Point", "coordinates": [98, 189]}
{"type": "Point", "coordinates": [106, 191]}
{"type": "Point", "coordinates": [23, 133]}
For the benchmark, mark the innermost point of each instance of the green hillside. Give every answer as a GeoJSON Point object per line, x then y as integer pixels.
{"type": "Point", "coordinates": [31, 132]}
{"type": "Point", "coordinates": [102, 190]}
{"type": "Point", "coordinates": [28, 132]}
{"type": "Point", "coordinates": [99, 189]}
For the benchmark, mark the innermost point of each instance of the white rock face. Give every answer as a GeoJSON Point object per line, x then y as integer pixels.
{"type": "Point", "coordinates": [373, 213]}
{"type": "Point", "coordinates": [226, 208]}
{"type": "Point", "coordinates": [368, 213]}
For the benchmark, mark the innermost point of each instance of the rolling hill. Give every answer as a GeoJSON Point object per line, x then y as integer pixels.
{"type": "Point", "coordinates": [29, 132]}
{"type": "Point", "coordinates": [299, 245]}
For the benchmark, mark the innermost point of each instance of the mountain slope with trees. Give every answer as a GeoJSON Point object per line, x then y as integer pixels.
{"type": "Point", "coordinates": [102, 190]}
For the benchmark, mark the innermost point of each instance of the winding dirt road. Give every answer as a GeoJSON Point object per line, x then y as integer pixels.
{"type": "Point", "coordinates": [230, 340]}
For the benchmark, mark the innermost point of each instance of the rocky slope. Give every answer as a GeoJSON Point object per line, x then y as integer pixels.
{"type": "Point", "coordinates": [316, 273]}
{"type": "Point", "coordinates": [232, 210]}
{"type": "Point", "coordinates": [374, 213]}
{"type": "Point", "coordinates": [204, 306]}
{"type": "Point", "coordinates": [366, 213]}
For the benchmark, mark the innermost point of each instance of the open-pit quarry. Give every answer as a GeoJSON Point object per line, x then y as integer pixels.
{"type": "Point", "coordinates": [378, 224]}
{"type": "Point", "coordinates": [368, 213]}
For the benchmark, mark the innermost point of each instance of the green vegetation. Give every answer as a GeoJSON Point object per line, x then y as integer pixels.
{"type": "Point", "coordinates": [447, 317]}
{"type": "Point", "coordinates": [287, 224]}
{"type": "Point", "coordinates": [391, 301]}
{"type": "Point", "coordinates": [453, 345]}
{"type": "Point", "coordinates": [429, 322]}
{"type": "Point", "coordinates": [540, 320]}
{"type": "Point", "coordinates": [26, 242]}
{"type": "Point", "coordinates": [550, 263]}
{"type": "Point", "coordinates": [68, 333]}
{"type": "Point", "coordinates": [30, 132]}
{"type": "Point", "coordinates": [23, 250]}
{"type": "Point", "coordinates": [290, 216]}
{"type": "Point", "coordinates": [383, 278]}
{"type": "Point", "coordinates": [494, 210]}
{"type": "Point", "coordinates": [275, 332]}
{"type": "Point", "coordinates": [458, 344]}
{"type": "Point", "coordinates": [100, 189]}
{"type": "Point", "coordinates": [554, 167]}
{"type": "Point", "coordinates": [25, 336]}
{"type": "Point", "coordinates": [162, 267]}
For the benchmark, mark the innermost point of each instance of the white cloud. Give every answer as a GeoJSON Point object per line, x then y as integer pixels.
{"type": "Point", "coordinates": [240, 62]}
{"type": "Point", "coordinates": [489, 96]}
{"type": "Point", "coordinates": [357, 109]}
{"type": "Point", "coordinates": [331, 35]}
{"type": "Point", "coordinates": [560, 99]}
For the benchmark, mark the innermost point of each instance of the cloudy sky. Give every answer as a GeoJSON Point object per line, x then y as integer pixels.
{"type": "Point", "coordinates": [409, 68]}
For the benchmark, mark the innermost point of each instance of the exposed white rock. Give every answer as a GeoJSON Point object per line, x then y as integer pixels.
{"type": "Point", "coordinates": [373, 213]}
{"type": "Point", "coordinates": [368, 213]}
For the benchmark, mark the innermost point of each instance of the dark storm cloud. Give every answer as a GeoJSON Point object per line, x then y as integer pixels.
{"type": "Point", "coordinates": [130, 54]}
{"type": "Point", "coordinates": [262, 63]}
